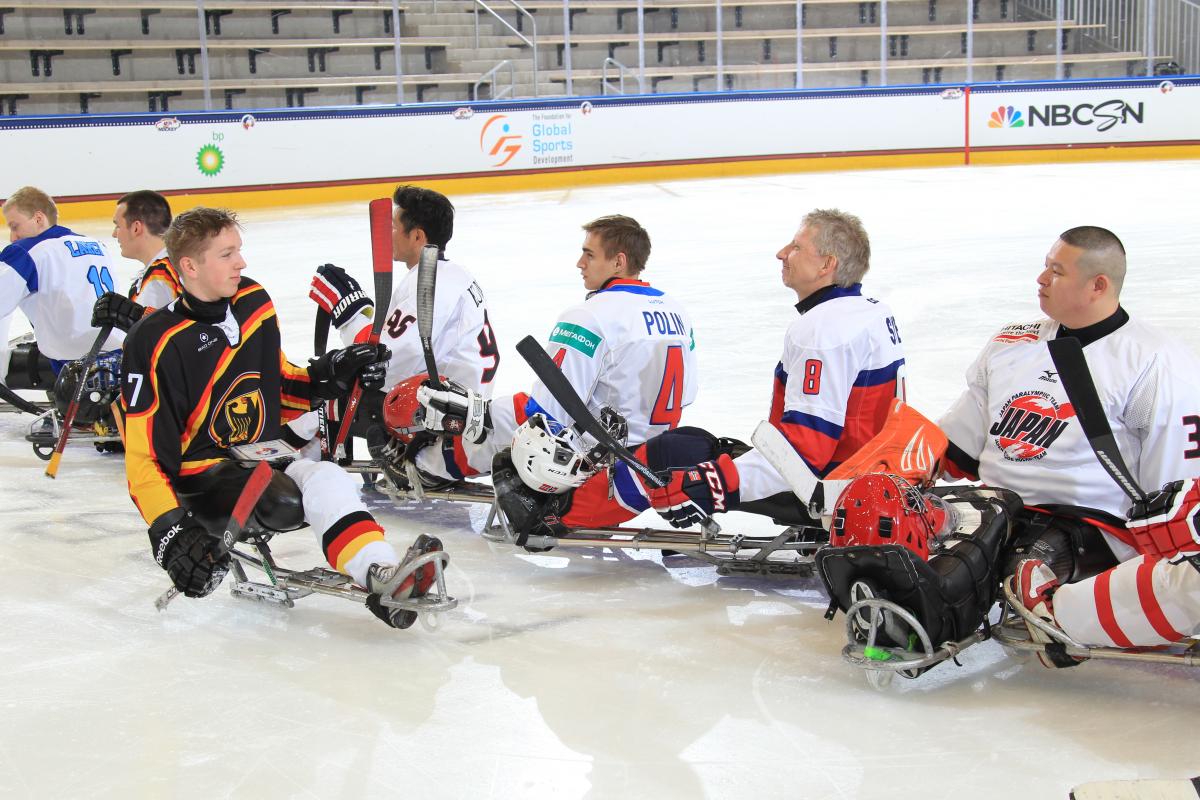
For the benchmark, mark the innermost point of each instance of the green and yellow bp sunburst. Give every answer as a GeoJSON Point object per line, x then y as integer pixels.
{"type": "Point", "coordinates": [210, 160]}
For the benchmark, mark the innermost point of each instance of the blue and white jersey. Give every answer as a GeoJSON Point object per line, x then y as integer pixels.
{"type": "Point", "coordinates": [55, 279]}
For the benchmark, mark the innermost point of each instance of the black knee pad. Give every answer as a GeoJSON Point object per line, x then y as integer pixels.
{"type": "Point", "coordinates": [29, 369]}
{"type": "Point", "coordinates": [212, 494]}
{"type": "Point", "coordinates": [1073, 548]}
{"type": "Point", "coordinates": [682, 447]}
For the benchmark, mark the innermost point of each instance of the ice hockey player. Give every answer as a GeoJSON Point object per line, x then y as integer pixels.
{"type": "Point", "coordinates": [628, 347]}
{"type": "Point", "coordinates": [139, 223]}
{"type": "Point", "coordinates": [1014, 427]}
{"type": "Point", "coordinates": [54, 276]}
{"type": "Point", "coordinates": [842, 369]}
{"type": "Point", "coordinates": [464, 343]}
{"type": "Point", "coordinates": [206, 374]}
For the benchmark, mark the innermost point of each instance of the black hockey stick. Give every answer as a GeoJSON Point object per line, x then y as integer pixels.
{"type": "Point", "coordinates": [1067, 355]}
{"type": "Point", "coordinates": [20, 403]}
{"type": "Point", "coordinates": [320, 340]}
{"type": "Point", "coordinates": [381, 262]}
{"type": "Point", "coordinates": [426, 286]}
{"type": "Point", "coordinates": [73, 408]}
{"type": "Point", "coordinates": [256, 484]}
{"type": "Point", "coordinates": [557, 384]}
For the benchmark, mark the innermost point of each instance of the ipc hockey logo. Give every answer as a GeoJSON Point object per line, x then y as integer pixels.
{"type": "Point", "coordinates": [497, 140]}
{"type": "Point", "coordinates": [1029, 424]}
{"type": "Point", "coordinates": [1006, 117]}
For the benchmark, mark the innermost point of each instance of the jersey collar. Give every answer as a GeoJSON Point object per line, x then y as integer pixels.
{"type": "Point", "coordinates": [629, 285]}
{"type": "Point", "coordinates": [828, 293]}
{"type": "Point", "coordinates": [1097, 330]}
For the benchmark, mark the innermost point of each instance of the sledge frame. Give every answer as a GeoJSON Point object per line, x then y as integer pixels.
{"type": "Point", "coordinates": [789, 552]}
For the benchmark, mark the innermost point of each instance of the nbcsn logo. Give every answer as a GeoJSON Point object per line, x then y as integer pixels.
{"type": "Point", "coordinates": [1006, 117]}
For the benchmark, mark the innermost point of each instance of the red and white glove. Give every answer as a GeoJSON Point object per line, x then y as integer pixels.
{"type": "Point", "coordinates": [694, 494]}
{"type": "Point", "coordinates": [1165, 524]}
{"type": "Point", "coordinates": [336, 291]}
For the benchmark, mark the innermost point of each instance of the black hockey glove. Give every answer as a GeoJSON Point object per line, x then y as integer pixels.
{"type": "Point", "coordinates": [339, 294]}
{"type": "Point", "coordinates": [116, 310]}
{"type": "Point", "coordinates": [333, 374]}
{"type": "Point", "coordinates": [194, 558]}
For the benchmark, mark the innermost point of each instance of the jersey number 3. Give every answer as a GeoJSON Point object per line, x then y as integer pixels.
{"type": "Point", "coordinates": [668, 406]}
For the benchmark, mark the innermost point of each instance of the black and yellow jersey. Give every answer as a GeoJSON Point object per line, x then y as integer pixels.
{"type": "Point", "coordinates": [158, 284]}
{"type": "Point", "coordinates": [197, 379]}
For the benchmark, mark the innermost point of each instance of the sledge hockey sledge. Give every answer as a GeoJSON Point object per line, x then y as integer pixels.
{"type": "Point", "coordinates": [1013, 633]}
{"type": "Point", "coordinates": [790, 552]}
{"type": "Point", "coordinates": [45, 430]}
{"type": "Point", "coordinates": [904, 614]}
{"type": "Point", "coordinates": [283, 586]}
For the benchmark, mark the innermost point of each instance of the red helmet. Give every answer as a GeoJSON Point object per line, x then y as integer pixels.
{"type": "Point", "coordinates": [879, 509]}
{"type": "Point", "coordinates": [401, 412]}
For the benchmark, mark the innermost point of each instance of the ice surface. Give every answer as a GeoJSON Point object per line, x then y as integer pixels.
{"type": "Point", "coordinates": [577, 673]}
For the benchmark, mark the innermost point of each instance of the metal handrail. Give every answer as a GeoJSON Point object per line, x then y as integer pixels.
{"type": "Point", "coordinates": [533, 27]}
{"type": "Point", "coordinates": [621, 70]}
{"type": "Point", "coordinates": [491, 73]}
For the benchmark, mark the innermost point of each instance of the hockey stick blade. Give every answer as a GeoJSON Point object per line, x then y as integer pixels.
{"type": "Point", "coordinates": [426, 290]}
{"type": "Point", "coordinates": [76, 398]}
{"type": "Point", "coordinates": [381, 262]}
{"type": "Point", "coordinates": [256, 484]}
{"type": "Point", "coordinates": [776, 449]}
{"type": "Point", "coordinates": [1068, 358]}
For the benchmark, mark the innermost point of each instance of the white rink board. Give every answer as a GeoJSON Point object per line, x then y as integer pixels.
{"type": "Point", "coordinates": [314, 146]}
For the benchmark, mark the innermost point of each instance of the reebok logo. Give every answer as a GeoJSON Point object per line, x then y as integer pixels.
{"type": "Point", "coordinates": [165, 542]}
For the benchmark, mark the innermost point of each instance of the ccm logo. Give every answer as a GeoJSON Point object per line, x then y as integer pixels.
{"type": "Point", "coordinates": [713, 478]}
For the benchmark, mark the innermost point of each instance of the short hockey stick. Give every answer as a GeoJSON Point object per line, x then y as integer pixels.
{"type": "Point", "coordinates": [73, 408]}
{"type": "Point", "coordinates": [259, 479]}
{"type": "Point", "coordinates": [320, 340]}
{"type": "Point", "coordinates": [381, 261]}
{"type": "Point", "coordinates": [426, 286]}
{"type": "Point", "coordinates": [1068, 358]}
{"type": "Point", "coordinates": [557, 384]}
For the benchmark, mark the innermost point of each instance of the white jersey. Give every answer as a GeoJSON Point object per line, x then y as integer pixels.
{"type": "Point", "coordinates": [463, 342]}
{"type": "Point", "coordinates": [55, 279]}
{"type": "Point", "coordinates": [627, 346]}
{"type": "Point", "coordinates": [841, 369]}
{"type": "Point", "coordinates": [1015, 419]}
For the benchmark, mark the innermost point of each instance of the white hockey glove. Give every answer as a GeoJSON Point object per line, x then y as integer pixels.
{"type": "Point", "coordinates": [455, 410]}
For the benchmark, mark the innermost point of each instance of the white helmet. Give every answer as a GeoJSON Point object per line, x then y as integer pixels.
{"type": "Point", "coordinates": [547, 458]}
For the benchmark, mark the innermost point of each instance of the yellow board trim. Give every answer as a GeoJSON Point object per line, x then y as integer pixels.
{"type": "Point", "coordinates": [536, 181]}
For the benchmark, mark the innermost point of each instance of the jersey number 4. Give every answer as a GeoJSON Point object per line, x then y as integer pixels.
{"type": "Point", "coordinates": [668, 406]}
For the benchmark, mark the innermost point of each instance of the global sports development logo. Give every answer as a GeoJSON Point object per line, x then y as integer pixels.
{"type": "Point", "coordinates": [497, 140]}
{"type": "Point", "coordinates": [1006, 117]}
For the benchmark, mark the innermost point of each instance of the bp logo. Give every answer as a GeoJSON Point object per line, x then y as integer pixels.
{"type": "Point", "coordinates": [1006, 117]}
{"type": "Point", "coordinates": [1029, 423]}
{"type": "Point", "coordinates": [210, 160]}
{"type": "Point", "coordinates": [497, 140]}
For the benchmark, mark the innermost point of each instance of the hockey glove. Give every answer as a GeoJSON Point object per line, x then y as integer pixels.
{"type": "Point", "coordinates": [116, 310]}
{"type": "Point", "coordinates": [339, 295]}
{"type": "Point", "coordinates": [455, 410]}
{"type": "Point", "coordinates": [333, 374]}
{"type": "Point", "coordinates": [1166, 524]}
{"type": "Point", "coordinates": [694, 494]}
{"type": "Point", "coordinates": [194, 558]}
